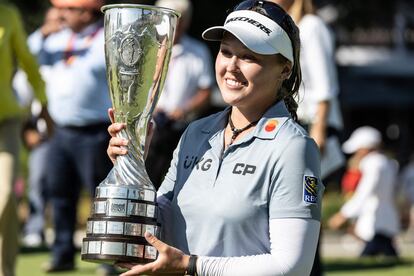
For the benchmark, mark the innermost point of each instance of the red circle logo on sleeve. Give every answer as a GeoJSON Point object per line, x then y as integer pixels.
{"type": "Point", "coordinates": [271, 125]}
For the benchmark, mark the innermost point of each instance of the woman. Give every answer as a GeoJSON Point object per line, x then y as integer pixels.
{"type": "Point", "coordinates": [243, 190]}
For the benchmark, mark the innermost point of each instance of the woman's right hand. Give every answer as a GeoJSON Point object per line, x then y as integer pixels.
{"type": "Point", "coordinates": [117, 145]}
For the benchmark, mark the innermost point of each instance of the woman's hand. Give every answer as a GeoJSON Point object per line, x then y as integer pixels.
{"type": "Point", "coordinates": [117, 145]}
{"type": "Point", "coordinates": [170, 260]}
{"type": "Point", "coordinates": [336, 221]}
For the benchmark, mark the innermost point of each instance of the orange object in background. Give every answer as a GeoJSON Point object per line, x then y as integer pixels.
{"type": "Point", "coordinates": [350, 181]}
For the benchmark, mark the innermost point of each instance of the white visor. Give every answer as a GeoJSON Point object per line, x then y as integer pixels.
{"type": "Point", "coordinates": [257, 32]}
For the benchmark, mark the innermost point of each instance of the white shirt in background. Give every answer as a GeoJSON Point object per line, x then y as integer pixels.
{"type": "Point", "coordinates": [320, 82]}
{"type": "Point", "coordinates": [190, 69]}
{"type": "Point", "coordinates": [373, 203]}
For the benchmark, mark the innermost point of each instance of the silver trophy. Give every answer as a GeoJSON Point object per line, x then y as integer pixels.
{"type": "Point", "coordinates": [138, 42]}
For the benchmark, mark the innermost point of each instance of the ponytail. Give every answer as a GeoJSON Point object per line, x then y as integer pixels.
{"type": "Point", "coordinates": [290, 87]}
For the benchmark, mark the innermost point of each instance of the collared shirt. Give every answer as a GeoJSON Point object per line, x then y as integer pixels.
{"type": "Point", "coordinates": [13, 47]}
{"type": "Point", "coordinates": [190, 70]}
{"type": "Point", "coordinates": [220, 203]}
{"type": "Point", "coordinates": [373, 203]}
{"type": "Point", "coordinates": [76, 77]}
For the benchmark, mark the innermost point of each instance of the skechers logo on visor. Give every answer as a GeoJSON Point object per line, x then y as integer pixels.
{"type": "Point", "coordinates": [251, 21]}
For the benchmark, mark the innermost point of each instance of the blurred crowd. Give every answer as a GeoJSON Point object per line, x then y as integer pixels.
{"type": "Point", "coordinates": [54, 99]}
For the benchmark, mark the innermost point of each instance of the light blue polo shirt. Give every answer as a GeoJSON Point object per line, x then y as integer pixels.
{"type": "Point", "coordinates": [77, 91]}
{"type": "Point", "coordinates": [221, 203]}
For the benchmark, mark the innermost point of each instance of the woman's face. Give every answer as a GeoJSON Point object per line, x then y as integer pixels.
{"type": "Point", "coordinates": [247, 79]}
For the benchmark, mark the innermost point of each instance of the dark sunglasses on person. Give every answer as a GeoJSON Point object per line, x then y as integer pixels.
{"type": "Point", "coordinates": [269, 9]}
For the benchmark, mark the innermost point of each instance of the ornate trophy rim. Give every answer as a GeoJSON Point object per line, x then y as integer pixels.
{"type": "Point", "coordinates": [147, 7]}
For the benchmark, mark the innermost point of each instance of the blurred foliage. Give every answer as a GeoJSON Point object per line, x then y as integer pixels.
{"type": "Point", "coordinates": [332, 202]}
{"type": "Point", "coordinates": [32, 11]}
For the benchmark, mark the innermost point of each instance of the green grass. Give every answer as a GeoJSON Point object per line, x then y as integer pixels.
{"type": "Point", "coordinates": [365, 267]}
{"type": "Point", "coordinates": [29, 264]}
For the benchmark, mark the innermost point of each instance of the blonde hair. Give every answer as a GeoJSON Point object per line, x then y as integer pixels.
{"type": "Point", "coordinates": [300, 8]}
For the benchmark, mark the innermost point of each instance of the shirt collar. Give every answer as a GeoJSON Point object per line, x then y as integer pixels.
{"type": "Point", "coordinates": [218, 123]}
{"type": "Point", "coordinates": [271, 122]}
{"type": "Point", "coordinates": [267, 127]}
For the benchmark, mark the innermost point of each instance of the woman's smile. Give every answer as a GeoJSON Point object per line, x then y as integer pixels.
{"type": "Point", "coordinates": [235, 84]}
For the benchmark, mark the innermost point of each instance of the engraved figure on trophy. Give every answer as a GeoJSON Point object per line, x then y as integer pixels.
{"type": "Point", "coordinates": [138, 42]}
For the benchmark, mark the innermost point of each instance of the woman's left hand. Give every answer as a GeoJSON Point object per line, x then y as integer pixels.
{"type": "Point", "coordinates": [170, 260]}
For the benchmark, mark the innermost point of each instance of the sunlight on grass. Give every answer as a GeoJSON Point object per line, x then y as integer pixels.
{"type": "Point", "coordinates": [30, 264]}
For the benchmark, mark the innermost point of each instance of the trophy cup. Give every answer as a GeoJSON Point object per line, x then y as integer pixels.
{"type": "Point", "coordinates": [138, 42]}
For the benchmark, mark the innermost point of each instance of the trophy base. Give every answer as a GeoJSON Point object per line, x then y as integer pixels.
{"type": "Point", "coordinates": [113, 259]}
{"type": "Point", "coordinates": [115, 231]}
{"type": "Point", "coordinates": [113, 250]}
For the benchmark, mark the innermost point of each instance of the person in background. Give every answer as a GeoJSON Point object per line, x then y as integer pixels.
{"type": "Point", "coordinates": [78, 103]}
{"type": "Point", "coordinates": [243, 190]}
{"type": "Point", "coordinates": [406, 193]}
{"type": "Point", "coordinates": [35, 134]}
{"type": "Point", "coordinates": [318, 109]}
{"type": "Point", "coordinates": [351, 177]}
{"type": "Point", "coordinates": [186, 93]}
{"type": "Point", "coordinates": [13, 47]}
{"type": "Point", "coordinates": [373, 202]}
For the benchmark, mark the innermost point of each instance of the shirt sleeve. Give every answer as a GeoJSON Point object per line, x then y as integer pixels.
{"type": "Point", "coordinates": [166, 189]}
{"type": "Point", "coordinates": [293, 245]}
{"type": "Point", "coordinates": [296, 189]}
{"type": "Point", "coordinates": [165, 192]}
{"type": "Point", "coordinates": [35, 42]}
{"type": "Point", "coordinates": [318, 52]}
{"type": "Point", "coordinates": [26, 60]}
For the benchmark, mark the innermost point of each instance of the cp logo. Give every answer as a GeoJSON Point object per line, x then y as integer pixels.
{"type": "Point", "coordinates": [244, 169]}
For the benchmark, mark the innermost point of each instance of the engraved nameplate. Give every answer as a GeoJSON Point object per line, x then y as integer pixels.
{"type": "Point", "coordinates": [150, 252]}
{"type": "Point", "coordinates": [135, 250]}
{"type": "Point", "coordinates": [100, 207]}
{"type": "Point", "coordinates": [94, 247]}
{"type": "Point", "coordinates": [115, 227]}
{"type": "Point", "coordinates": [117, 207]}
{"type": "Point", "coordinates": [99, 227]}
{"type": "Point", "coordinates": [133, 229]}
{"type": "Point", "coordinates": [113, 248]}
